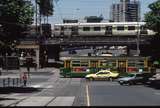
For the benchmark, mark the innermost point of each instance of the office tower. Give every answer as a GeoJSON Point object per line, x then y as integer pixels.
{"type": "Point", "coordinates": [125, 11]}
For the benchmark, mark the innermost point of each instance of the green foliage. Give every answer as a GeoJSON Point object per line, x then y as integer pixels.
{"type": "Point", "coordinates": [15, 15]}
{"type": "Point", "coordinates": [153, 17]}
{"type": "Point", "coordinates": [16, 11]}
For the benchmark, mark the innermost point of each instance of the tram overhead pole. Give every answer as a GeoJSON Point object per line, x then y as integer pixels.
{"type": "Point", "coordinates": [138, 38]}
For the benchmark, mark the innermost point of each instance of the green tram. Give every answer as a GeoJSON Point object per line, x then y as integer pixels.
{"type": "Point", "coordinates": [80, 66]}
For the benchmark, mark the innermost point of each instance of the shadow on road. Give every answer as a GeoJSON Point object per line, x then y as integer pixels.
{"type": "Point", "coordinates": [2, 99]}
{"type": "Point", "coordinates": [7, 90]}
{"type": "Point", "coordinates": [154, 86]}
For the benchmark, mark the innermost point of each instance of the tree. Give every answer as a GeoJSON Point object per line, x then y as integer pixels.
{"type": "Point", "coordinates": [45, 7]}
{"type": "Point", "coordinates": [152, 19]}
{"type": "Point", "coordinates": [14, 18]}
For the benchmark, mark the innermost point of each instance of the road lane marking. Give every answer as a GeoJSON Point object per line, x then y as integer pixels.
{"type": "Point", "coordinates": [88, 99]}
{"type": "Point", "coordinates": [35, 86]}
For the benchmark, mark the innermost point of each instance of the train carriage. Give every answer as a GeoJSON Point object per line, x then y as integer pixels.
{"type": "Point", "coordinates": [102, 29]}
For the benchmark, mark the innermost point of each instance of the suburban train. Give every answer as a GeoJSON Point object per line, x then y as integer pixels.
{"type": "Point", "coordinates": [102, 29]}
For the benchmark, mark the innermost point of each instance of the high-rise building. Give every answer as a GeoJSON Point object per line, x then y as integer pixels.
{"type": "Point", "coordinates": [125, 11]}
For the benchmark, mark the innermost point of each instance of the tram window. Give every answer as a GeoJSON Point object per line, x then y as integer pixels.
{"type": "Point", "coordinates": [120, 27]}
{"type": "Point", "coordinates": [86, 28]}
{"type": "Point", "coordinates": [131, 27]}
{"type": "Point", "coordinates": [131, 64]}
{"type": "Point", "coordinates": [97, 28]}
{"type": "Point", "coordinates": [75, 63]}
{"type": "Point", "coordinates": [103, 63]}
{"type": "Point", "coordinates": [84, 63]}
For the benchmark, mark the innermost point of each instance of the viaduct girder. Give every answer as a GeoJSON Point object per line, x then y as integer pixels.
{"type": "Point", "coordinates": [79, 41]}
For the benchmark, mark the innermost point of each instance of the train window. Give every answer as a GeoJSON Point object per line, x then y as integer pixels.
{"type": "Point", "coordinates": [86, 28]}
{"type": "Point", "coordinates": [131, 28]}
{"type": "Point", "coordinates": [120, 27]}
{"type": "Point", "coordinates": [97, 28]}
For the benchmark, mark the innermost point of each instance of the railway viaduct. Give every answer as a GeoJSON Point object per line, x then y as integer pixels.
{"type": "Point", "coordinates": [52, 47]}
{"type": "Point", "coordinates": [55, 45]}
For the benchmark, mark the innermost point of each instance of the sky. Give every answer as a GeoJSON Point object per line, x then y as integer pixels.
{"type": "Point", "coordinates": [78, 9]}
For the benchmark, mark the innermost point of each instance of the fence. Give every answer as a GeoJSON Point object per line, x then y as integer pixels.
{"type": "Point", "coordinates": [11, 82]}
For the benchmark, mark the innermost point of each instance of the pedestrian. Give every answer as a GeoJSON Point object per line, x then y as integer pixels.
{"type": "Point", "coordinates": [24, 77]}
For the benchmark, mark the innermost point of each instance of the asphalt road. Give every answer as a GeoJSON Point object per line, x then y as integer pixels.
{"type": "Point", "coordinates": [51, 90]}
{"type": "Point", "coordinates": [113, 94]}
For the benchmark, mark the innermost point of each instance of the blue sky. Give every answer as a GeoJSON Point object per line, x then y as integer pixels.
{"type": "Point", "coordinates": [81, 8]}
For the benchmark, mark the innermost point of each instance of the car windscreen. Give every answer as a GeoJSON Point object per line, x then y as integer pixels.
{"type": "Point", "coordinates": [131, 75]}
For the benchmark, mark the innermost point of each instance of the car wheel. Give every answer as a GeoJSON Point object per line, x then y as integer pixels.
{"type": "Point", "coordinates": [121, 83]}
{"type": "Point", "coordinates": [91, 79]}
{"type": "Point", "coordinates": [110, 79]}
{"type": "Point", "coordinates": [130, 83]}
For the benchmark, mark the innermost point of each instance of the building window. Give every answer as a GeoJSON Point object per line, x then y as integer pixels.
{"type": "Point", "coordinates": [97, 28]}
{"type": "Point", "coordinates": [131, 27]}
{"type": "Point", "coordinates": [120, 28]}
{"type": "Point", "coordinates": [86, 28]}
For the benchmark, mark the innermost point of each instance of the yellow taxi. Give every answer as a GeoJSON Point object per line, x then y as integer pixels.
{"type": "Point", "coordinates": [103, 74]}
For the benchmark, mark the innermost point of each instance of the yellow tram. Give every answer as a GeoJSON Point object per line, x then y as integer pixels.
{"type": "Point", "coordinates": [80, 66]}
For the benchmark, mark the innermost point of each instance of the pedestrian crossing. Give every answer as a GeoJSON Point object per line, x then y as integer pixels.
{"type": "Point", "coordinates": [41, 86]}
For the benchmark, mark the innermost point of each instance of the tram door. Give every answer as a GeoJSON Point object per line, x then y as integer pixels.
{"type": "Point", "coordinates": [67, 64]}
{"type": "Point", "coordinates": [122, 66]}
{"type": "Point", "coordinates": [94, 65]}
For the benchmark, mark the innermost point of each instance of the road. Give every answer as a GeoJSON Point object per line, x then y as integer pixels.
{"type": "Point", "coordinates": [52, 90]}
{"type": "Point", "coordinates": [113, 94]}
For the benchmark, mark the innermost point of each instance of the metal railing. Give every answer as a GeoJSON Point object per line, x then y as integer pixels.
{"type": "Point", "coordinates": [11, 82]}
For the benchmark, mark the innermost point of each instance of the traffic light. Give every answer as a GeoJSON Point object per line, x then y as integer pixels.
{"type": "Point", "coordinates": [46, 30]}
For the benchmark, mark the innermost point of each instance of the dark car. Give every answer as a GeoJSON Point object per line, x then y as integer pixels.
{"type": "Point", "coordinates": [72, 52]}
{"type": "Point", "coordinates": [155, 80]}
{"type": "Point", "coordinates": [135, 78]}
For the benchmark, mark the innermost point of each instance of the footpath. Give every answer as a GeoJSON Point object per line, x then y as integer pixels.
{"type": "Point", "coordinates": [32, 96]}
{"type": "Point", "coordinates": [13, 77]}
